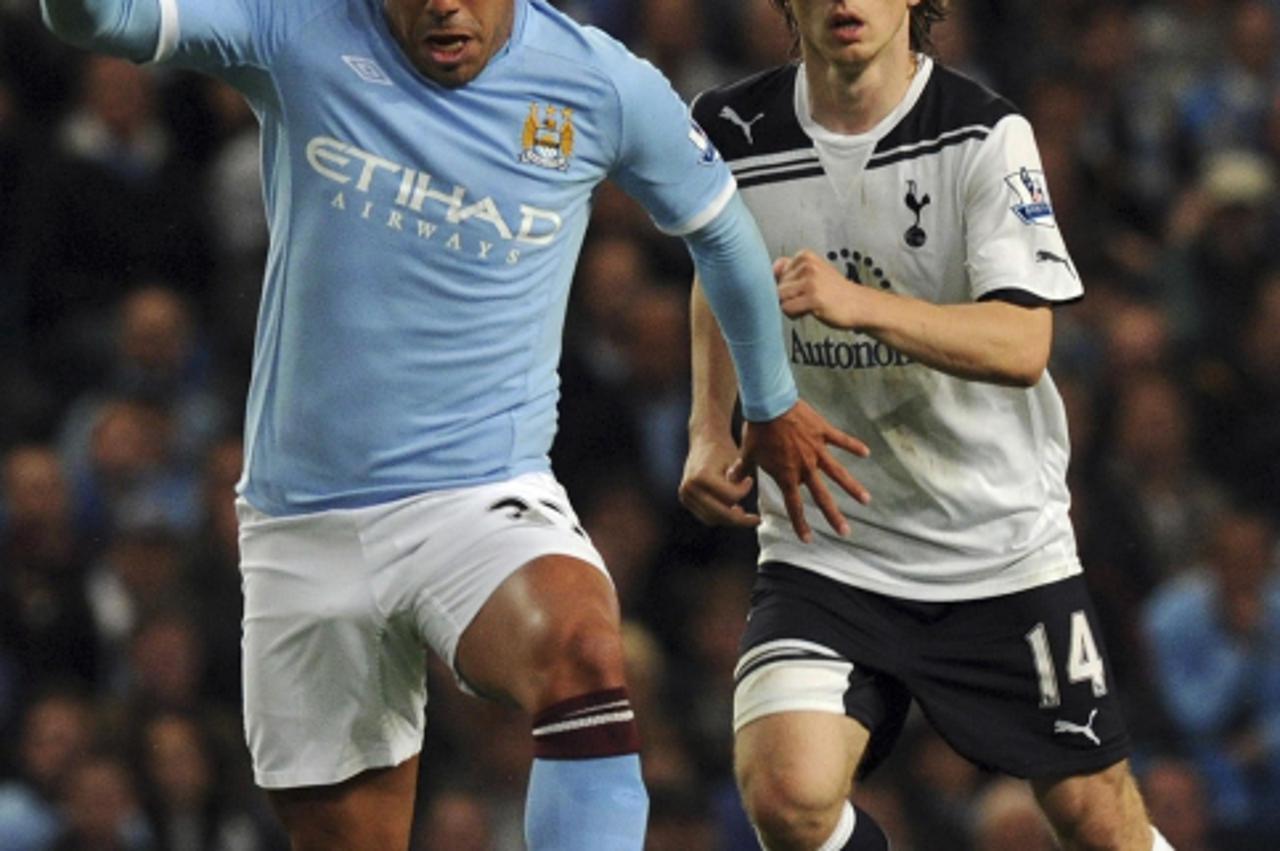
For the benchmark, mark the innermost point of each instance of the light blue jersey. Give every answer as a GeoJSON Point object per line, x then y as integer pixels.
{"type": "Point", "coordinates": [424, 238]}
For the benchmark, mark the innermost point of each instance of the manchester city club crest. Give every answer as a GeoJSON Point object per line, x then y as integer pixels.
{"type": "Point", "coordinates": [547, 140]}
{"type": "Point", "coordinates": [1032, 205]}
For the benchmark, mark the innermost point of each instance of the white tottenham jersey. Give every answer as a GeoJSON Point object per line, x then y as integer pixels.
{"type": "Point", "coordinates": [944, 200]}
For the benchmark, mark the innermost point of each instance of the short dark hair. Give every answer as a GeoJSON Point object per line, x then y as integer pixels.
{"type": "Point", "coordinates": [924, 15]}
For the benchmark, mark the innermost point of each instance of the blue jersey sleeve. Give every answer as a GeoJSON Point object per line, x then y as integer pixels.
{"type": "Point", "coordinates": [665, 160]}
{"type": "Point", "coordinates": [217, 36]}
{"type": "Point", "coordinates": [126, 28]}
{"type": "Point", "coordinates": [733, 263]}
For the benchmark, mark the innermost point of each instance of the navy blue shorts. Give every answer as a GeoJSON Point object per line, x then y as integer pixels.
{"type": "Point", "coordinates": [1018, 684]}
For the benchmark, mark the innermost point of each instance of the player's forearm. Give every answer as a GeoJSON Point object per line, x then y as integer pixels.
{"type": "Point", "coordinates": [127, 28]}
{"type": "Point", "coordinates": [991, 341]}
{"type": "Point", "coordinates": [733, 265]}
{"type": "Point", "coordinates": [715, 387]}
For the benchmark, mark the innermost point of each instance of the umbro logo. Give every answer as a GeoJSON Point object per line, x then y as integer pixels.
{"type": "Point", "coordinates": [1085, 729]}
{"type": "Point", "coordinates": [367, 70]}
{"type": "Point", "coordinates": [729, 114]}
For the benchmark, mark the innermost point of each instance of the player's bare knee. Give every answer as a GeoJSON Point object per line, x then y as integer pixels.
{"type": "Point", "coordinates": [789, 809]}
{"type": "Point", "coordinates": [784, 826]}
{"type": "Point", "coordinates": [580, 656]}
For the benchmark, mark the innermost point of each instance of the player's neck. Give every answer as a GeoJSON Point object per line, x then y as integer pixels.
{"type": "Point", "coordinates": [853, 99]}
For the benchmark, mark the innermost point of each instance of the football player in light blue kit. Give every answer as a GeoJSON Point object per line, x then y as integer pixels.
{"type": "Point", "coordinates": [428, 169]}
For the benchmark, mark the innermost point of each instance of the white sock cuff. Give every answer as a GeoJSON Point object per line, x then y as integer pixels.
{"type": "Point", "coordinates": [1159, 843]}
{"type": "Point", "coordinates": [844, 829]}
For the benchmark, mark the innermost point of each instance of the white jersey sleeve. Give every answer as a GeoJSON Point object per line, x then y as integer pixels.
{"type": "Point", "coordinates": [1013, 241]}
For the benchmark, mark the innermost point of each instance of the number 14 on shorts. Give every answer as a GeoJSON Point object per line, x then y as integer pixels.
{"type": "Point", "coordinates": [1084, 662]}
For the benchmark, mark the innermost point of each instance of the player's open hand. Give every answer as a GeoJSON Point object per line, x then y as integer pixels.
{"type": "Point", "coordinates": [793, 449]}
{"type": "Point", "coordinates": [708, 490]}
{"type": "Point", "coordinates": [807, 284]}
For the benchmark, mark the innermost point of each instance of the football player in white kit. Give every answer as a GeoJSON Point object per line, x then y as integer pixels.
{"type": "Point", "coordinates": [918, 263]}
{"type": "Point", "coordinates": [429, 167]}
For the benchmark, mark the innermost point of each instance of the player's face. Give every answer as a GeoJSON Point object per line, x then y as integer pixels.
{"type": "Point", "coordinates": [852, 32]}
{"type": "Point", "coordinates": [451, 41]}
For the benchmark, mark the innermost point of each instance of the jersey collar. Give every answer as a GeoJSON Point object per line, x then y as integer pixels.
{"type": "Point", "coordinates": [818, 133]}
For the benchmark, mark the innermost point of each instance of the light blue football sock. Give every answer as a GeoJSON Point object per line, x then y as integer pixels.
{"type": "Point", "coordinates": [595, 804]}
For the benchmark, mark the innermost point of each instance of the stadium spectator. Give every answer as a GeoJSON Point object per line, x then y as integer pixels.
{"type": "Point", "coordinates": [672, 34]}
{"type": "Point", "coordinates": [188, 793]}
{"type": "Point", "coordinates": [1154, 473]}
{"type": "Point", "coordinates": [102, 810]}
{"type": "Point", "coordinates": [1179, 806]}
{"type": "Point", "coordinates": [156, 359]}
{"type": "Point", "coordinates": [1228, 107]}
{"type": "Point", "coordinates": [44, 616]}
{"type": "Point", "coordinates": [1214, 638]}
{"type": "Point", "coordinates": [78, 247]}
{"type": "Point", "coordinates": [56, 733]}
{"type": "Point", "coordinates": [1218, 248]}
{"type": "Point", "coordinates": [1240, 395]}
{"type": "Point", "coordinates": [138, 575]}
{"type": "Point", "coordinates": [129, 475]}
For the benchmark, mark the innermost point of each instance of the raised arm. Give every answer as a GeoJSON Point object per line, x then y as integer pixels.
{"type": "Point", "coordinates": [125, 28]}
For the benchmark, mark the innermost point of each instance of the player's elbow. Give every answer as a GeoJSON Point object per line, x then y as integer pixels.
{"type": "Point", "coordinates": [1028, 353]}
{"type": "Point", "coordinates": [1027, 371]}
{"type": "Point", "coordinates": [130, 31]}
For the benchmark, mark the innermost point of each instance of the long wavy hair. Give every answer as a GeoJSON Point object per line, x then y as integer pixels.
{"type": "Point", "coordinates": [924, 15]}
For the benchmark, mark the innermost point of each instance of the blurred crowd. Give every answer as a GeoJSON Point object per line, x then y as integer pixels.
{"type": "Point", "coordinates": [131, 245]}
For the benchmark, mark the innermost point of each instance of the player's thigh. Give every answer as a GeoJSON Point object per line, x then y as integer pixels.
{"type": "Point", "coordinates": [800, 760]}
{"type": "Point", "coordinates": [550, 631]}
{"type": "Point", "coordinates": [373, 811]}
{"type": "Point", "coordinates": [810, 708]}
{"type": "Point", "coordinates": [814, 645]}
{"type": "Point", "coordinates": [1101, 809]}
{"type": "Point", "coordinates": [522, 598]}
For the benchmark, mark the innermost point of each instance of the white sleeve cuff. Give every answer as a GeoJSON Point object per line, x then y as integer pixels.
{"type": "Point", "coordinates": [168, 41]}
{"type": "Point", "coordinates": [708, 213]}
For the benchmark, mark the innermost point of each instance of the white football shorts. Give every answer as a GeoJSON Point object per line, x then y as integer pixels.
{"type": "Point", "coordinates": [340, 606]}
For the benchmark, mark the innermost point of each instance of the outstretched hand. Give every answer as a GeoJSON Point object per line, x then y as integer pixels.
{"type": "Point", "coordinates": [793, 449]}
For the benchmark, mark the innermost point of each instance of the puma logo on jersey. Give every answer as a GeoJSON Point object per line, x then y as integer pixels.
{"type": "Point", "coordinates": [729, 114]}
{"type": "Point", "coordinates": [1043, 256]}
{"type": "Point", "coordinates": [1085, 729]}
